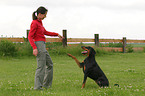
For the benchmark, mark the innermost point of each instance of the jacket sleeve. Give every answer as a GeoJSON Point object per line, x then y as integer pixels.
{"type": "Point", "coordinates": [32, 34]}
{"type": "Point", "coordinates": [50, 33]}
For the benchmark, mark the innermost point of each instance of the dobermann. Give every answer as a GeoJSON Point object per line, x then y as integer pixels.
{"type": "Point", "coordinates": [90, 67]}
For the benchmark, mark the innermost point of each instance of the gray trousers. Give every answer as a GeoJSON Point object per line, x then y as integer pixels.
{"type": "Point", "coordinates": [44, 71]}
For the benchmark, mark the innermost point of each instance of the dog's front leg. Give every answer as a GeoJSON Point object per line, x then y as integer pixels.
{"type": "Point", "coordinates": [77, 61]}
{"type": "Point", "coordinates": [84, 82]}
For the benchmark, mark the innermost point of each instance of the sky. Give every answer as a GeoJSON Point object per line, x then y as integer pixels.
{"type": "Point", "coordinates": [111, 19]}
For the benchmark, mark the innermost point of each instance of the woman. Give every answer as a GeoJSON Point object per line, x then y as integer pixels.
{"type": "Point", "coordinates": [44, 71]}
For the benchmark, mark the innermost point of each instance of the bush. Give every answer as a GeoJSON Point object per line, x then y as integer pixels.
{"type": "Point", "coordinates": [100, 51]}
{"type": "Point", "coordinates": [144, 49]}
{"type": "Point", "coordinates": [129, 48]}
{"type": "Point", "coordinates": [60, 50]}
{"type": "Point", "coordinates": [24, 49]}
{"type": "Point", "coordinates": [74, 50]}
{"type": "Point", "coordinates": [51, 45]}
{"type": "Point", "coordinates": [111, 45]}
{"type": "Point", "coordinates": [115, 44]}
{"type": "Point", "coordinates": [7, 48]}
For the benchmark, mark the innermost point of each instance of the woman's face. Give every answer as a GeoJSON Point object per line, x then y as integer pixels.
{"type": "Point", "coordinates": [41, 16]}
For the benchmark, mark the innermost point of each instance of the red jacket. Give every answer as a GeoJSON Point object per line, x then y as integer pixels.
{"type": "Point", "coordinates": [37, 32]}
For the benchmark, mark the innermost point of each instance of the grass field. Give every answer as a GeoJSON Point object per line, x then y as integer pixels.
{"type": "Point", "coordinates": [128, 70]}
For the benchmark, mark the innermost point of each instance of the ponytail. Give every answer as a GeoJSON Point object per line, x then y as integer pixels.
{"type": "Point", "coordinates": [41, 10]}
{"type": "Point", "coordinates": [34, 17]}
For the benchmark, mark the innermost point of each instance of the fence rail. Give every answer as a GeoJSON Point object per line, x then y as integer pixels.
{"type": "Point", "coordinates": [13, 39]}
{"type": "Point", "coordinates": [77, 40]}
{"type": "Point", "coordinates": [96, 40]}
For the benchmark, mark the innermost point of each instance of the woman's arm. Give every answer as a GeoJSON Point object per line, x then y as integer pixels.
{"type": "Point", "coordinates": [31, 34]}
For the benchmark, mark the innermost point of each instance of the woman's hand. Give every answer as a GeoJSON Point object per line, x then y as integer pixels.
{"type": "Point", "coordinates": [61, 37]}
{"type": "Point", "coordinates": [35, 52]}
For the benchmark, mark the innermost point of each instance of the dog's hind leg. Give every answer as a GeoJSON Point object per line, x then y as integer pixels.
{"type": "Point", "coordinates": [99, 83]}
{"type": "Point", "coordinates": [102, 83]}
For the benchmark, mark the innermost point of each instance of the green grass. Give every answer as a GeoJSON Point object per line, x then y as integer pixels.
{"type": "Point", "coordinates": [128, 70]}
{"type": "Point", "coordinates": [138, 45]}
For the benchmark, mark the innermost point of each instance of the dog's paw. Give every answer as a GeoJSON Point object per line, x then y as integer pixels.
{"type": "Point", "coordinates": [69, 55]}
{"type": "Point", "coordinates": [73, 57]}
{"type": "Point", "coordinates": [82, 87]}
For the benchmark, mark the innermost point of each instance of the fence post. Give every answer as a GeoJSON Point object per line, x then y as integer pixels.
{"type": "Point", "coordinates": [124, 44]}
{"type": "Point", "coordinates": [27, 35]}
{"type": "Point", "coordinates": [64, 41]}
{"type": "Point", "coordinates": [97, 40]}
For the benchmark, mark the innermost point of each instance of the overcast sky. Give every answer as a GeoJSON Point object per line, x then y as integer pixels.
{"type": "Point", "coordinates": [111, 19]}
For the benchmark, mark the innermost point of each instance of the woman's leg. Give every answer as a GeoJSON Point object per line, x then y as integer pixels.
{"type": "Point", "coordinates": [41, 63]}
{"type": "Point", "coordinates": [48, 71]}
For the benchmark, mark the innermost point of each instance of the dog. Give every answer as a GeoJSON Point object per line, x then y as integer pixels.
{"type": "Point", "coordinates": [91, 68]}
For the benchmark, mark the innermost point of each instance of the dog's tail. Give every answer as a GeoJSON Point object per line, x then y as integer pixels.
{"type": "Point", "coordinates": [116, 85]}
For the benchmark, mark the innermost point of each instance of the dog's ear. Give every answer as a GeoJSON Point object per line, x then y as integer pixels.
{"type": "Point", "coordinates": [83, 47]}
{"type": "Point", "coordinates": [92, 51]}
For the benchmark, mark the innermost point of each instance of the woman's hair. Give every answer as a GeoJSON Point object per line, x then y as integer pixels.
{"type": "Point", "coordinates": [41, 10]}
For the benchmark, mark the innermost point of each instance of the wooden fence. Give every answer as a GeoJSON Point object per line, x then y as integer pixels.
{"type": "Point", "coordinates": [96, 40]}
